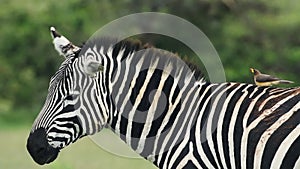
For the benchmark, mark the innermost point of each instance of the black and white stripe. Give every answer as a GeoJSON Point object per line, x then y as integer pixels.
{"type": "Point", "coordinates": [169, 115]}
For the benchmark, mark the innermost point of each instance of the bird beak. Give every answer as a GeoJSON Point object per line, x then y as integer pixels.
{"type": "Point", "coordinates": [251, 70]}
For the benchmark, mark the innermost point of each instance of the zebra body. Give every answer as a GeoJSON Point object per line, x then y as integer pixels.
{"type": "Point", "coordinates": [166, 112]}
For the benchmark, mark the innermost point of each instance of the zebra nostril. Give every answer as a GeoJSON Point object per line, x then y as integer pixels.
{"type": "Point", "coordinates": [39, 148]}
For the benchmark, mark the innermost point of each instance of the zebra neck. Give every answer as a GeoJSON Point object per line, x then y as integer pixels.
{"type": "Point", "coordinates": [149, 91]}
{"type": "Point", "coordinates": [151, 131]}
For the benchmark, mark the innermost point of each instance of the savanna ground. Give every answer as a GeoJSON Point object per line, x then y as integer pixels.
{"type": "Point", "coordinates": [82, 154]}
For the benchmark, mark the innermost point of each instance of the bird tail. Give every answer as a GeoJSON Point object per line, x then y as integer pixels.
{"type": "Point", "coordinates": [285, 81]}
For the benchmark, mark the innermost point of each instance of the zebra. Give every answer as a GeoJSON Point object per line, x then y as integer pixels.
{"type": "Point", "coordinates": [166, 112]}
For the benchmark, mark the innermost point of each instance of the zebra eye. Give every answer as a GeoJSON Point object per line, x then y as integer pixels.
{"type": "Point", "coordinates": [61, 145]}
{"type": "Point", "coordinates": [69, 97]}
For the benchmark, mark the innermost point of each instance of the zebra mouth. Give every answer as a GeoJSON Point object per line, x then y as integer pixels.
{"type": "Point", "coordinates": [39, 148]}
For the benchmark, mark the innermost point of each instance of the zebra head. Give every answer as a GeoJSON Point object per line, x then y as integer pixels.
{"type": "Point", "coordinates": [65, 115]}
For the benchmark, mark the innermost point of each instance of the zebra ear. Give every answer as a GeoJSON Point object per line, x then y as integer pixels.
{"type": "Point", "coordinates": [92, 67]}
{"type": "Point", "coordinates": [62, 45]}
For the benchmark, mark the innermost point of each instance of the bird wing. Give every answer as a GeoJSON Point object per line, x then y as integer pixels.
{"type": "Point", "coordinates": [266, 78]}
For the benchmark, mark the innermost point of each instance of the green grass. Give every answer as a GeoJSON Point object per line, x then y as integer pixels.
{"type": "Point", "coordinates": [82, 154]}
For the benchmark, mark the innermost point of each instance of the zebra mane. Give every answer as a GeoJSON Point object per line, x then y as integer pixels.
{"type": "Point", "coordinates": [60, 74]}
{"type": "Point", "coordinates": [132, 45]}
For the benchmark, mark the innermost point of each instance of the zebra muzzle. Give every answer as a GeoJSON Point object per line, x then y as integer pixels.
{"type": "Point", "coordinates": [39, 148]}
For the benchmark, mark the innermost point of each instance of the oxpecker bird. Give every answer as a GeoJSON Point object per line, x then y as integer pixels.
{"type": "Point", "coordinates": [261, 79]}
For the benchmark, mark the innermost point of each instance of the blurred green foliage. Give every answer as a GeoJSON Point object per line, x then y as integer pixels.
{"type": "Point", "coordinates": [260, 34]}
